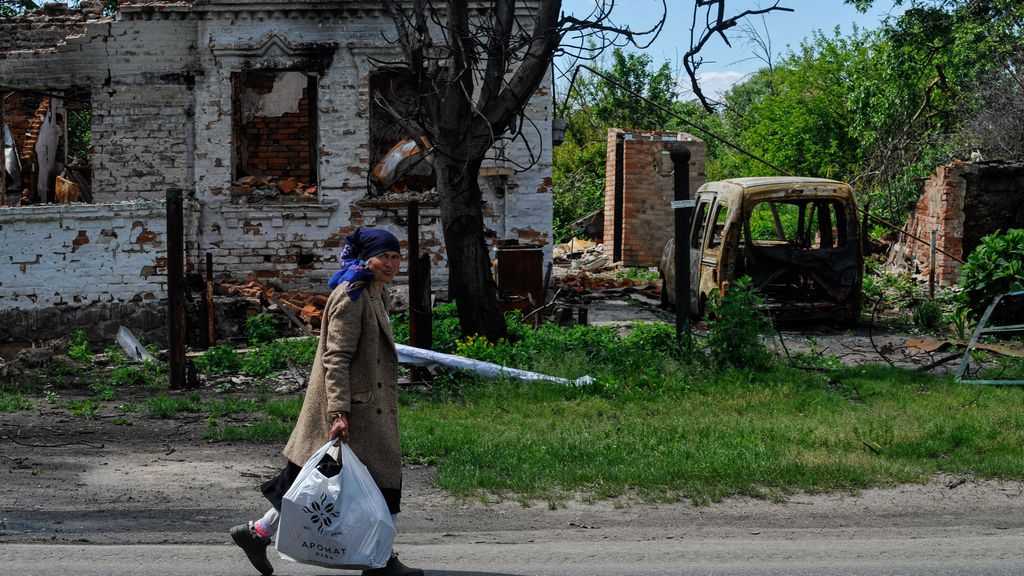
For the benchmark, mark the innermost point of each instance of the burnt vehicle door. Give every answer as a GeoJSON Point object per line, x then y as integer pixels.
{"type": "Point", "coordinates": [713, 261]}
{"type": "Point", "coordinates": [802, 250]}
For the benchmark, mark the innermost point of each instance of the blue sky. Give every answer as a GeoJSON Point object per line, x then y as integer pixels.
{"type": "Point", "coordinates": [723, 65]}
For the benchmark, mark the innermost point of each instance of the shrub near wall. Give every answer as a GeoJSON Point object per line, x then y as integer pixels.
{"type": "Point", "coordinates": [996, 267]}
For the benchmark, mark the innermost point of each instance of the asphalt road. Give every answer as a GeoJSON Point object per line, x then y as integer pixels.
{"type": "Point", "coordinates": [1001, 554]}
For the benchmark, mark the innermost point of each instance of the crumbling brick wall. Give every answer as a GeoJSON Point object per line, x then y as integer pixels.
{"type": "Point", "coordinates": [48, 26]}
{"type": "Point", "coordinates": [81, 254]}
{"type": "Point", "coordinates": [962, 202]}
{"type": "Point", "coordinates": [647, 190]}
{"type": "Point", "coordinates": [160, 85]}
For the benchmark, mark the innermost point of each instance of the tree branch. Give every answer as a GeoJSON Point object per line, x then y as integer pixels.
{"type": "Point", "coordinates": [715, 26]}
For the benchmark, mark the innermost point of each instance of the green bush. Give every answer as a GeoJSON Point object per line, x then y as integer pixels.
{"type": "Point", "coordinates": [147, 374]}
{"type": "Point", "coordinates": [260, 329]}
{"type": "Point", "coordinates": [995, 267]}
{"type": "Point", "coordinates": [78, 348]}
{"type": "Point", "coordinates": [272, 356]}
{"type": "Point", "coordinates": [219, 359]}
{"type": "Point", "coordinates": [737, 322]}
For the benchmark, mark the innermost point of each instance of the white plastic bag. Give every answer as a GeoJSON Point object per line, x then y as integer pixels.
{"type": "Point", "coordinates": [337, 522]}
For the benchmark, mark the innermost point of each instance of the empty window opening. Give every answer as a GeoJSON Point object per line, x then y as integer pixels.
{"type": "Point", "coordinates": [817, 224]}
{"type": "Point", "coordinates": [400, 157]}
{"type": "Point", "coordinates": [720, 220]}
{"type": "Point", "coordinates": [274, 134]}
{"type": "Point", "coordinates": [46, 147]}
{"type": "Point", "coordinates": [700, 221]}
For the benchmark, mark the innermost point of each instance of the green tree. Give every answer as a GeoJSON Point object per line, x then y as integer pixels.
{"type": "Point", "coordinates": [797, 116]}
{"type": "Point", "coordinates": [594, 105]}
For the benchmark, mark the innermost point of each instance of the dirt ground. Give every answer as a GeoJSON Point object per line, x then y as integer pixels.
{"type": "Point", "coordinates": [68, 480]}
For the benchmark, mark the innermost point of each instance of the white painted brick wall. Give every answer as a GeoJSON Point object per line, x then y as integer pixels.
{"type": "Point", "coordinates": [45, 262]}
{"type": "Point", "coordinates": [146, 74]}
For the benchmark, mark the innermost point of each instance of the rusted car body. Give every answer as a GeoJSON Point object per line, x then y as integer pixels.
{"type": "Point", "coordinates": [797, 238]}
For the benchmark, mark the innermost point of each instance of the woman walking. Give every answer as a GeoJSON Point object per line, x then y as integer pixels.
{"type": "Point", "coordinates": [352, 392]}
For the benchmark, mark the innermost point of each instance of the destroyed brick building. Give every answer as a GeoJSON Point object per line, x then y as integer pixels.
{"type": "Point", "coordinates": [270, 115]}
{"type": "Point", "coordinates": [639, 188]}
{"type": "Point", "coordinates": [962, 202]}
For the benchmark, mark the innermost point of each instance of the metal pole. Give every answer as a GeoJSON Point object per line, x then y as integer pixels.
{"type": "Point", "coordinates": [931, 266]}
{"type": "Point", "coordinates": [211, 330]}
{"type": "Point", "coordinates": [413, 259]}
{"type": "Point", "coordinates": [681, 186]}
{"type": "Point", "coordinates": [175, 288]}
{"type": "Point", "coordinates": [3, 151]}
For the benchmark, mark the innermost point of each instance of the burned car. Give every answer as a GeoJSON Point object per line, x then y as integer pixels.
{"type": "Point", "coordinates": [797, 238]}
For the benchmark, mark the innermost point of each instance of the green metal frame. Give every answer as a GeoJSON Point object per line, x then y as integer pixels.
{"type": "Point", "coordinates": [981, 330]}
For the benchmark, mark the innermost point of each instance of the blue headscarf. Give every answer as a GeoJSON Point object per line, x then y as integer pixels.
{"type": "Point", "coordinates": [360, 246]}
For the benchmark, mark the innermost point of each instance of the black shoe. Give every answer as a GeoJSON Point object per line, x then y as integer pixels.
{"type": "Point", "coordinates": [255, 547]}
{"type": "Point", "coordinates": [394, 568]}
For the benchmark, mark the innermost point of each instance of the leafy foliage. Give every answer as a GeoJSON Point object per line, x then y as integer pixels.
{"type": "Point", "coordinates": [78, 348]}
{"type": "Point", "coordinates": [995, 267]}
{"type": "Point", "coordinates": [737, 322]}
{"type": "Point", "coordinates": [260, 328]}
{"type": "Point", "coordinates": [219, 359]}
{"type": "Point", "coordinates": [276, 355]}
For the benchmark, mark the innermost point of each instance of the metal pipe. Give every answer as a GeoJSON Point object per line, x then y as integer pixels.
{"type": "Point", "coordinates": [683, 213]}
{"type": "Point", "coordinates": [175, 288]}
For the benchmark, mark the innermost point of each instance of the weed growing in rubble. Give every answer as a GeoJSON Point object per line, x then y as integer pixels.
{"type": "Point", "coordinates": [78, 348]}
{"type": "Point", "coordinates": [104, 390]}
{"type": "Point", "coordinates": [147, 374]}
{"type": "Point", "coordinates": [639, 275]}
{"type": "Point", "coordinates": [115, 355]}
{"type": "Point", "coordinates": [928, 314]}
{"type": "Point", "coordinates": [260, 329]}
{"type": "Point", "coordinates": [164, 407]}
{"type": "Point", "coordinates": [219, 359]}
{"type": "Point", "coordinates": [278, 354]}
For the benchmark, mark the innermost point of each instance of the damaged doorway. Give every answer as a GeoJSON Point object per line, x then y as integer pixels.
{"type": "Point", "coordinates": [274, 132]}
{"type": "Point", "coordinates": [46, 146]}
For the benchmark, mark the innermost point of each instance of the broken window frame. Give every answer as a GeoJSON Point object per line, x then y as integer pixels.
{"type": "Point", "coordinates": [812, 232]}
{"type": "Point", "coordinates": [312, 178]}
{"type": "Point", "coordinates": [58, 189]}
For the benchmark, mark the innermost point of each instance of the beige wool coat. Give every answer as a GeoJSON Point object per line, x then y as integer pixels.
{"type": "Point", "coordinates": [355, 371]}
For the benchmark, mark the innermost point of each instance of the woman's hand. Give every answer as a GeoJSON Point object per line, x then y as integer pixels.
{"type": "Point", "coordinates": [339, 426]}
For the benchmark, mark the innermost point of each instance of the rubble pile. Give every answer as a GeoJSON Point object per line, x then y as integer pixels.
{"type": "Point", "coordinates": [309, 308]}
{"type": "Point", "coordinates": [259, 188]}
{"type": "Point", "coordinates": [584, 274]}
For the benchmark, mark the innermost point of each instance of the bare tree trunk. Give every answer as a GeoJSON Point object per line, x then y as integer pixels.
{"type": "Point", "coordinates": [469, 265]}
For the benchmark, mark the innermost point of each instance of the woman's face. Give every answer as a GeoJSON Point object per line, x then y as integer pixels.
{"type": "Point", "coordinates": [384, 266]}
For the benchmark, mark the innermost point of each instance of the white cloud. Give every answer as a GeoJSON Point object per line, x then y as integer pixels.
{"type": "Point", "coordinates": [713, 83]}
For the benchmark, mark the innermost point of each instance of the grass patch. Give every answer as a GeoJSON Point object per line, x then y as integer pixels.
{"type": "Point", "coordinates": [13, 402]}
{"type": "Point", "coordinates": [84, 409]}
{"type": "Point", "coordinates": [275, 424]}
{"type": "Point", "coordinates": [738, 433]}
{"type": "Point", "coordinates": [146, 375]}
{"type": "Point", "coordinates": [164, 407]}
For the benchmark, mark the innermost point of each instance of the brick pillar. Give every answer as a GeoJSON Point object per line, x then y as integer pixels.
{"type": "Point", "coordinates": [646, 191]}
